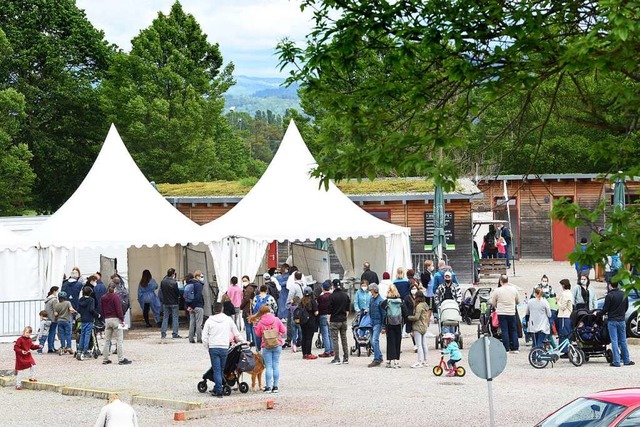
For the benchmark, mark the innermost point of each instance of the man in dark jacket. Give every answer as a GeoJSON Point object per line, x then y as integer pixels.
{"type": "Point", "coordinates": [368, 275]}
{"type": "Point", "coordinates": [324, 304]}
{"type": "Point", "coordinates": [195, 309]}
{"type": "Point", "coordinates": [170, 299]}
{"type": "Point", "coordinates": [111, 309]}
{"type": "Point", "coordinates": [99, 289]}
{"type": "Point", "coordinates": [338, 309]}
{"type": "Point", "coordinates": [377, 315]}
{"type": "Point", "coordinates": [615, 305]}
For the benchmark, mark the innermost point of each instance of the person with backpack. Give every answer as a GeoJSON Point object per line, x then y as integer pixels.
{"type": "Point", "coordinates": [270, 330]}
{"type": "Point", "coordinates": [111, 309]}
{"type": "Point", "coordinates": [273, 288]}
{"type": "Point", "coordinates": [195, 306]}
{"type": "Point", "coordinates": [308, 314]}
{"type": "Point", "coordinates": [611, 267]}
{"type": "Point", "coordinates": [215, 336]}
{"type": "Point", "coordinates": [121, 291]}
{"type": "Point", "coordinates": [395, 312]}
{"type": "Point", "coordinates": [248, 294]}
{"type": "Point", "coordinates": [339, 303]}
{"type": "Point", "coordinates": [260, 300]}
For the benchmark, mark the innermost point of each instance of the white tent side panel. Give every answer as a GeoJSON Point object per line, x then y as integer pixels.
{"type": "Point", "coordinates": [19, 275]}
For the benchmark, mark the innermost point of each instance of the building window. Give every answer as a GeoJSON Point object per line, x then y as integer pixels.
{"type": "Point", "coordinates": [383, 214]}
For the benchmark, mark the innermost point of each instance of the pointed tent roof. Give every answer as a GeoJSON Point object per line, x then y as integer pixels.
{"type": "Point", "coordinates": [310, 211]}
{"type": "Point", "coordinates": [13, 241]}
{"type": "Point", "coordinates": [133, 213]}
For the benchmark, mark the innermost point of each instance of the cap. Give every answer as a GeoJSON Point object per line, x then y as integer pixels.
{"type": "Point", "coordinates": [373, 287]}
{"type": "Point", "coordinates": [62, 294]}
{"type": "Point", "coordinates": [326, 284]}
{"type": "Point", "coordinates": [386, 276]}
{"type": "Point", "coordinates": [447, 273]}
{"type": "Point", "coordinates": [266, 276]}
{"type": "Point", "coordinates": [307, 291]}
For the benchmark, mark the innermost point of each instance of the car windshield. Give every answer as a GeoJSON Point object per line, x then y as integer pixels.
{"type": "Point", "coordinates": [584, 412]}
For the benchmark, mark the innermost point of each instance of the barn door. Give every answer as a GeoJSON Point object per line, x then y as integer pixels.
{"type": "Point", "coordinates": [564, 239]}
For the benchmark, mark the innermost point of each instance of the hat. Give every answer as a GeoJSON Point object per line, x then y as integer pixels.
{"type": "Point", "coordinates": [307, 291]}
{"type": "Point", "coordinates": [565, 282]}
{"type": "Point", "coordinates": [336, 283]}
{"type": "Point", "coordinates": [386, 276]}
{"type": "Point", "coordinates": [62, 294]}
{"type": "Point", "coordinates": [447, 273]}
{"type": "Point", "coordinates": [266, 276]}
{"type": "Point", "coordinates": [326, 284]}
{"type": "Point", "coordinates": [373, 287]}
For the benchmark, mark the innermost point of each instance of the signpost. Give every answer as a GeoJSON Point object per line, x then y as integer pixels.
{"type": "Point", "coordinates": [487, 360]}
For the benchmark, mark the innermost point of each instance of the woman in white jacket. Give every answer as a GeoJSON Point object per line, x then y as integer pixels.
{"type": "Point", "coordinates": [539, 312]}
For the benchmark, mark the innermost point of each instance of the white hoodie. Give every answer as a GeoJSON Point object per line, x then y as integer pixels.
{"type": "Point", "coordinates": [218, 330]}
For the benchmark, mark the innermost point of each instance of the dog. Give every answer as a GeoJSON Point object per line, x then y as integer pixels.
{"type": "Point", "coordinates": [256, 373]}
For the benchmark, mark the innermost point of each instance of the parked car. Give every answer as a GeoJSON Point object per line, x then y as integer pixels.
{"type": "Point", "coordinates": [609, 408]}
{"type": "Point", "coordinates": [632, 314]}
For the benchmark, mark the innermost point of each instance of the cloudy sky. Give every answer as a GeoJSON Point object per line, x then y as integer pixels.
{"type": "Point", "coordinates": [246, 30]}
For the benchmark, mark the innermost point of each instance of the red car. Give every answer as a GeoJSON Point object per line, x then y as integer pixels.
{"type": "Point", "coordinates": [608, 408]}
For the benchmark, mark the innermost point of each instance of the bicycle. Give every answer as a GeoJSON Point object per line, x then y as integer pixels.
{"type": "Point", "coordinates": [540, 357]}
{"type": "Point", "coordinates": [454, 371]}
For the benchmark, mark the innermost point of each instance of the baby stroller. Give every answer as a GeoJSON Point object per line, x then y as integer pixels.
{"type": "Point", "coordinates": [591, 334]}
{"type": "Point", "coordinates": [240, 359]}
{"type": "Point", "coordinates": [93, 349]}
{"type": "Point", "coordinates": [489, 323]}
{"type": "Point", "coordinates": [449, 316]}
{"type": "Point", "coordinates": [362, 332]}
{"type": "Point", "coordinates": [472, 303]}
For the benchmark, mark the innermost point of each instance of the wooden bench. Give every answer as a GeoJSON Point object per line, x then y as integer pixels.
{"type": "Point", "coordinates": [491, 266]}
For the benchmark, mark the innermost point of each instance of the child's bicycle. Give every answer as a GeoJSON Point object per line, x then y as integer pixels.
{"type": "Point", "coordinates": [454, 371]}
{"type": "Point", "coordinates": [540, 357]}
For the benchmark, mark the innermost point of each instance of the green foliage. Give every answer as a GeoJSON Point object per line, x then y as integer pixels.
{"type": "Point", "coordinates": [16, 176]}
{"type": "Point", "coordinates": [165, 98]}
{"type": "Point", "coordinates": [58, 59]}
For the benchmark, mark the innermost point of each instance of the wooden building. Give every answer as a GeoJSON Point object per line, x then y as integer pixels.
{"type": "Point", "coordinates": [407, 202]}
{"type": "Point", "coordinates": [530, 200]}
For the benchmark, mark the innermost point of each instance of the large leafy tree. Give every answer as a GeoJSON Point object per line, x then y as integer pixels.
{"type": "Point", "coordinates": [398, 86]}
{"type": "Point", "coordinates": [165, 98]}
{"type": "Point", "coordinates": [57, 60]}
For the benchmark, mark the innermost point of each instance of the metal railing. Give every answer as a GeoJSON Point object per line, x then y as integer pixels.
{"type": "Point", "coordinates": [15, 315]}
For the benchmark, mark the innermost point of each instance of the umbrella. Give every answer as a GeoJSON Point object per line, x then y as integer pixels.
{"type": "Point", "coordinates": [439, 238]}
{"type": "Point", "coordinates": [618, 193]}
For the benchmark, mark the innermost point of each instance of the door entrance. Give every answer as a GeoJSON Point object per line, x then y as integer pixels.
{"type": "Point", "coordinates": [563, 238]}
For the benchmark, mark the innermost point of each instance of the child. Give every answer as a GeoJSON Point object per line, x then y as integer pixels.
{"type": "Point", "coordinates": [86, 308]}
{"type": "Point", "coordinates": [296, 331]}
{"type": "Point", "coordinates": [451, 348]}
{"type": "Point", "coordinates": [63, 311]}
{"type": "Point", "coordinates": [43, 331]}
{"type": "Point", "coordinates": [24, 359]}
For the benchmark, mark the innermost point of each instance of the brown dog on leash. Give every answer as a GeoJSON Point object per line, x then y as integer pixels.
{"type": "Point", "coordinates": [258, 369]}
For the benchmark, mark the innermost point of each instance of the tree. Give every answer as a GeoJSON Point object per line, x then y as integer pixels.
{"type": "Point", "coordinates": [395, 84]}
{"type": "Point", "coordinates": [165, 98]}
{"type": "Point", "coordinates": [58, 59]}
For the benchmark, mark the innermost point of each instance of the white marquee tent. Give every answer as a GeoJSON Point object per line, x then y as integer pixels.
{"type": "Point", "coordinates": [18, 260]}
{"type": "Point", "coordinates": [288, 203]}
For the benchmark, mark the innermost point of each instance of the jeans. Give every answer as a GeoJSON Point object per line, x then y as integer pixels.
{"type": "Point", "coordinates": [111, 327]}
{"type": "Point", "coordinates": [507, 254]}
{"type": "Point", "coordinates": [421, 343]}
{"type": "Point", "coordinates": [165, 319]}
{"type": "Point", "coordinates": [509, 330]}
{"type": "Point", "coordinates": [375, 342]}
{"type": "Point", "coordinates": [237, 318]}
{"type": "Point", "coordinates": [272, 365]}
{"type": "Point", "coordinates": [42, 340]}
{"type": "Point", "coordinates": [51, 339]}
{"type": "Point", "coordinates": [218, 358]}
{"type": "Point", "coordinates": [538, 339]}
{"type": "Point", "coordinates": [339, 327]}
{"type": "Point", "coordinates": [324, 331]}
{"type": "Point", "coordinates": [64, 331]}
{"type": "Point", "coordinates": [195, 323]}
{"type": "Point", "coordinates": [85, 336]}
{"type": "Point", "coordinates": [296, 334]}
{"type": "Point", "coordinates": [618, 334]}
{"type": "Point", "coordinates": [248, 329]}
{"type": "Point", "coordinates": [564, 329]}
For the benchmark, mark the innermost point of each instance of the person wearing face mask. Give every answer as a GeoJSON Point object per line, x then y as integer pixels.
{"type": "Point", "coordinates": [195, 308]}
{"type": "Point", "coordinates": [362, 298]}
{"type": "Point", "coordinates": [409, 306]}
{"type": "Point", "coordinates": [148, 299]}
{"type": "Point", "coordinates": [583, 296]}
{"type": "Point", "coordinates": [550, 295]}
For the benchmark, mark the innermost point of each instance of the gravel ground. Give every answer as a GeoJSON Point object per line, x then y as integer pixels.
{"type": "Point", "coordinates": [313, 392]}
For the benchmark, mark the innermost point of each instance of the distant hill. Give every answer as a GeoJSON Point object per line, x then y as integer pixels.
{"type": "Point", "coordinates": [250, 94]}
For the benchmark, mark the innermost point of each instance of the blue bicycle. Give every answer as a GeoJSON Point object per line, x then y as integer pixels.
{"type": "Point", "coordinates": [540, 357]}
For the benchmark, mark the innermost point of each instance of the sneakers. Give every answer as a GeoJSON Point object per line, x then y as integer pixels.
{"type": "Point", "coordinates": [52, 350]}
{"type": "Point", "coordinates": [336, 362]}
{"type": "Point", "coordinates": [415, 348]}
{"type": "Point", "coordinates": [631, 363]}
{"type": "Point", "coordinates": [417, 365]}
{"type": "Point", "coordinates": [311, 357]}
{"type": "Point", "coordinates": [345, 362]}
{"type": "Point", "coordinates": [389, 365]}
{"type": "Point", "coordinates": [514, 352]}
{"type": "Point", "coordinates": [397, 366]}
{"type": "Point", "coordinates": [294, 348]}
{"type": "Point", "coordinates": [33, 380]}
{"type": "Point", "coordinates": [614, 365]}
{"type": "Point", "coordinates": [106, 362]}
{"type": "Point", "coordinates": [177, 337]}
{"type": "Point", "coordinates": [267, 390]}
{"type": "Point", "coordinates": [125, 362]}
{"type": "Point", "coordinates": [325, 354]}
{"type": "Point", "coordinates": [332, 354]}
{"type": "Point", "coordinates": [274, 390]}
{"type": "Point", "coordinates": [18, 387]}
{"type": "Point", "coordinates": [219, 395]}
{"type": "Point", "coordinates": [374, 364]}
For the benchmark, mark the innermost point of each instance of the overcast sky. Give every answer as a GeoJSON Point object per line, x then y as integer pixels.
{"type": "Point", "coordinates": [246, 30]}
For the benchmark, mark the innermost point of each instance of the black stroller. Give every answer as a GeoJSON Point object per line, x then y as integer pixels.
{"type": "Point", "coordinates": [470, 309]}
{"type": "Point", "coordinates": [591, 334]}
{"type": "Point", "coordinates": [240, 359]}
{"type": "Point", "coordinates": [94, 347]}
{"type": "Point", "coordinates": [362, 333]}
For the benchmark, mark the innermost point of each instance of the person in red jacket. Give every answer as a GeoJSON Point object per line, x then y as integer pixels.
{"type": "Point", "coordinates": [24, 359]}
{"type": "Point", "coordinates": [111, 310]}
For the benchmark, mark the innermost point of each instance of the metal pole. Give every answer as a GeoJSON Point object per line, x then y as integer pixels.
{"type": "Point", "coordinates": [506, 200]}
{"type": "Point", "coordinates": [487, 357]}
